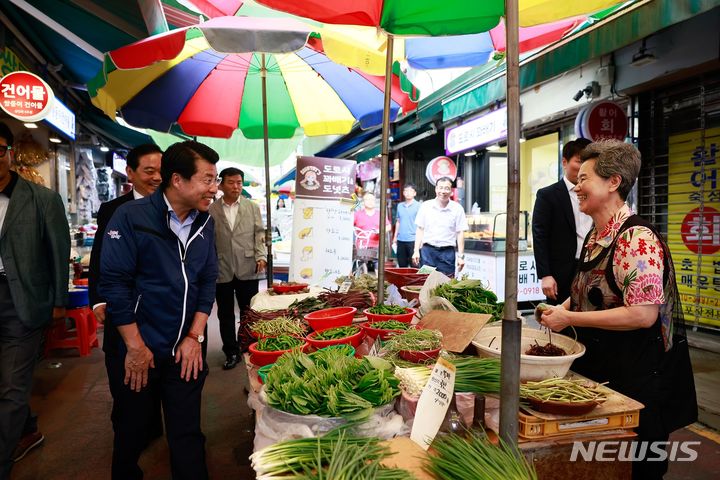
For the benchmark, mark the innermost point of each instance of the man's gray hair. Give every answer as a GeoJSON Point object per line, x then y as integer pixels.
{"type": "Point", "coordinates": [614, 157]}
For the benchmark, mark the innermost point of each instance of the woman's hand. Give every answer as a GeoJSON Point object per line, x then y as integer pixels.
{"type": "Point", "coordinates": [555, 318]}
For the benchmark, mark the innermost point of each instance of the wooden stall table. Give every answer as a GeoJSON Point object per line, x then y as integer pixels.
{"type": "Point", "coordinates": [266, 301]}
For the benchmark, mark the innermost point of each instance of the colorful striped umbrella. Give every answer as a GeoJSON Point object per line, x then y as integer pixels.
{"type": "Point", "coordinates": [182, 78]}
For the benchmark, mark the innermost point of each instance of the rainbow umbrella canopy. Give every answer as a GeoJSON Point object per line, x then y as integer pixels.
{"type": "Point", "coordinates": [206, 80]}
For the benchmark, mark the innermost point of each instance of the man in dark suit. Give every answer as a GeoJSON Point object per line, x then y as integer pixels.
{"type": "Point", "coordinates": [34, 273]}
{"type": "Point", "coordinates": [143, 171]}
{"type": "Point", "coordinates": [559, 228]}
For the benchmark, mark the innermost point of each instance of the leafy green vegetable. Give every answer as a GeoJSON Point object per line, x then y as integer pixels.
{"type": "Point", "coordinates": [329, 384]}
{"type": "Point", "coordinates": [279, 326]}
{"type": "Point", "coordinates": [387, 310]}
{"type": "Point", "coordinates": [471, 297]}
{"type": "Point", "coordinates": [336, 333]}
{"type": "Point", "coordinates": [274, 344]}
{"type": "Point", "coordinates": [390, 325]}
{"type": "Point", "coordinates": [414, 339]}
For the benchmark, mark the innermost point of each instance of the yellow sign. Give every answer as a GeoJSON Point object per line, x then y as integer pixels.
{"type": "Point", "coordinates": [694, 222]}
{"type": "Point", "coordinates": [9, 62]}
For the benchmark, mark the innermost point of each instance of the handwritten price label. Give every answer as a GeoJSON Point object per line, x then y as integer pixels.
{"type": "Point", "coordinates": [433, 404]}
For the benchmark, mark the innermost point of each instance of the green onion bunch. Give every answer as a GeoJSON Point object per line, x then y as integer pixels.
{"type": "Point", "coordinates": [476, 374]}
{"type": "Point", "coordinates": [328, 384]}
{"type": "Point", "coordinates": [335, 456]}
{"type": "Point", "coordinates": [475, 457]}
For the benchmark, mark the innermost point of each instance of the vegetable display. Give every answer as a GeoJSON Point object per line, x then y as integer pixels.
{"type": "Point", "coordinates": [274, 344]}
{"type": "Point", "coordinates": [366, 282]}
{"type": "Point", "coordinates": [336, 333]}
{"type": "Point", "coordinates": [279, 326]}
{"type": "Point", "coordinates": [476, 374]}
{"type": "Point", "coordinates": [328, 384]}
{"type": "Point", "coordinates": [459, 458]}
{"type": "Point", "coordinates": [387, 310]}
{"type": "Point", "coordinates": [562, 390]}
{"type": "Point", "coordinates": [343, 349]}
{"type": "Point", "coordinates": [547, 350]}
{"type": "Point", "coordinates": [390, 325]}
{"type": "Point", "coordinates": [413, 379]}
{"type": "Point", "coordinates": [360, 299]}
{"type": "Point", "coordinates": [334, 456]}
{"type": "Point", "coordinates": [471, 297]}
{"type": "Point", "coordinates": [415, 340]}
{"type": "Point", "coordinates": [298, 308]}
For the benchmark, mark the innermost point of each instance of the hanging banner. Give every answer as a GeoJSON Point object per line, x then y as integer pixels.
{"type": "Point", "coordinates": [486, 129]}
{"type": "Point", "coordinates": [323, 221]}
{"type": "Point", "coordinates": [25, 96]}
{"type": "Point", "coordinates": [694, 223]}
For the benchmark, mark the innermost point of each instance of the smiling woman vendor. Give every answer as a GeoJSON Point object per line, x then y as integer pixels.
{"type": "Point", "coordinates": [624, 304]}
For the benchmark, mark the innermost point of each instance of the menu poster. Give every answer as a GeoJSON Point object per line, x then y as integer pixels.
{"type": "Point", "coordinates": [323, 221]}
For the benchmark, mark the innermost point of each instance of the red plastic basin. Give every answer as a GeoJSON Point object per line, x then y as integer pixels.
{"type": "Point", "coordinates": [418, 356]}
{"type": "Point", "coordinates": [285, 288]}
{"type": "Point", "coordinates": [354, 340]}
{"type": "Point", "coordinates": [261, 358]}
{"type": "Point", "coordinates": [405, 276]}
{"type": "Point", "coordinates": [403, 317]}
{"type": "Point", "coordinates": [330, 317]}
{"type": "Point", "coordinates": [382, 333]}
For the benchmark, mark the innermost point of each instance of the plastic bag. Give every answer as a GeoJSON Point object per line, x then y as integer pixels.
{"type": "Point", "coordinates": [429, 302]}
{"type": "Point", "coordinates": [273, 425]}
{"type": "Point", "coordinates": [394, 298]}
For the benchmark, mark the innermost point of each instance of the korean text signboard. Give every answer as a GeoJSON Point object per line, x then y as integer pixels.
{"type": "Point", "coordinates": [478, 131]}
{"type": "Point", "coordinates": [25, 96]}
{"type": "Point", "coordinates": [322, 220]}
{"type": "Point", "coordinates": [602, 120]}
{"type": "Point", "coordinates": [694, 222]}
{"type": "Point", "coordinates": [490, 268]}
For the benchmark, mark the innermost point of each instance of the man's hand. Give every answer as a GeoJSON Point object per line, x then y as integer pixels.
{"type": "Point", "coordinates": [260, 267]}
{"type": "Point", "coordinates": [99, 312]}
{"type": "Point", "coordinates": [190, 354]}
{"type": "Point", "coordinates": [460, 263]}
{"type": "Point", "coordinates": [137, 363]}
{"type": "Point", "coordinates": [416, 257]}
{"type": "Point", "coordinates": [549, 287]}
{"type": "Point", "coordinates": [58, 313]}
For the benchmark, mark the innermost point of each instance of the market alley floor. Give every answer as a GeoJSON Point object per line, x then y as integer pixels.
{"type": "Point", "coordinates": [73, 403]}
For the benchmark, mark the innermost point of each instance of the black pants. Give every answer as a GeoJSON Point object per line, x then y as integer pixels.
{"type": "Point", "coordinates": [18, 353]}
{"type": "Point", "coordinates": [404, 253]}
{"type": "Point", "coordinates": [225, 294]}
{"type": "Point", "coordinates": [442, 258]}
{"type": "Point", "coordinates": [133, 412]}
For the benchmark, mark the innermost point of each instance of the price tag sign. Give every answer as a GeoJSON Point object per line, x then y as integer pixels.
{"type": "Point", "coordinates": [433, 404]}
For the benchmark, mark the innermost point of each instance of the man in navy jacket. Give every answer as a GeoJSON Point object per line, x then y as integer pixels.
{"type": "Point", "coordinates": [158, 270]}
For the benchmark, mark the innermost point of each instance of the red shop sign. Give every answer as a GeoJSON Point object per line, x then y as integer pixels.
{"type": "Point", "coordinates": [602, 120]}
{"type": "Point", "coordinates": [701, 231]}
{"type": "Point", "coordinates": [25, 96]}
{"type": "Point", "coordinates": [440, 167]}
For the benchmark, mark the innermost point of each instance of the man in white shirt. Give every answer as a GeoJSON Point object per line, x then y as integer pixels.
{"type": "Point", "coordinates": [242, 258]}
{"type": "Point", "coordinates": [559, 227]}
{"type": "Point", "coordinates": [440, 226]}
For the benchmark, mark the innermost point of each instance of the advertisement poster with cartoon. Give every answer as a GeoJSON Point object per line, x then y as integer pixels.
{"type": "Point", "coordinates": [323, 220]}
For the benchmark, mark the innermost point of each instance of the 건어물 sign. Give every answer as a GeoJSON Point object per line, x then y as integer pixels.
{"type": "Point", "coordinates": [25, 96]}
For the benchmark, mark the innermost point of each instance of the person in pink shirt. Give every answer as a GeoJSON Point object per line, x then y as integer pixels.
{"type": "Point", "coordinates": [367, 226]}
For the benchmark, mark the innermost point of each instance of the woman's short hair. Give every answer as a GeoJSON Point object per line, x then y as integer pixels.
{"type": "Point", "coordinates": [614, 157]}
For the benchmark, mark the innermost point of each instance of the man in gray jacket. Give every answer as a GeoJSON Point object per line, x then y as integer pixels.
{"type": "Point", "coordinates": [242, 257]}
{"type": "Point", "coordinates": [34, 272]}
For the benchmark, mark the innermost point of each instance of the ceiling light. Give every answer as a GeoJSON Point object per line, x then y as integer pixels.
{"type": "Point", "coordinates": [522, 140]}
{"type": "Point", "coordinates": [30, 125]}
{"type": "Point", "coordinates": [493, 148]}
{"type": "Point", "coordinates": [55, 139]}
{"type": "Point", "coordinates": [103, 148]}
{"type": "Point", "coordinates": [470, 153]}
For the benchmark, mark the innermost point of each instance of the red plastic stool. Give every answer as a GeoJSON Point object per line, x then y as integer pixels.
{"type": "Point", "coordinates": [83, 337]}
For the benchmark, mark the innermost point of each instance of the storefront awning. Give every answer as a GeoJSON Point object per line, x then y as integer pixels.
{"type": "Point", "coordinates": [625, 27]}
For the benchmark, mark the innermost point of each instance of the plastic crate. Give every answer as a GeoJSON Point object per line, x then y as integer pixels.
{"type": "Point", "coordinates": [532, 427]}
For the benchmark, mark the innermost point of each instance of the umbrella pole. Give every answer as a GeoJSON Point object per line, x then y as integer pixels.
{"type": "Point", "coordinates": [385, 144]}
{"type": "Point", "coordinates": [511, 325]}
{"type": "Point", "coordinates": [266, 145]}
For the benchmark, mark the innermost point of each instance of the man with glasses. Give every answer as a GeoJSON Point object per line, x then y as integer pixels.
{"type": "Point", "coordinates": [34, 272]}
{"type": "Point", "coordinates": [157, 273]}
{"type": "Point", "coordinates": [242, 258]}
{"type": "Point", "coordinates": [440, 226]}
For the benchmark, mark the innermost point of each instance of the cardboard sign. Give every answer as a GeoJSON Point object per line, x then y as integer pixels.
{"type": "Point", "coordinates": [458, 328]}
{"type": "Point", "coordinates": [433, 404]}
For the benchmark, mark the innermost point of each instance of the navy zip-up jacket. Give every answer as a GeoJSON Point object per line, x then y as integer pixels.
{"type": "Point", "coordinates": [149, 278]}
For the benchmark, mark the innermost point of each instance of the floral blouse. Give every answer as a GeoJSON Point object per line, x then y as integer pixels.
{"type": "Point", "coordinates": [637, 265]}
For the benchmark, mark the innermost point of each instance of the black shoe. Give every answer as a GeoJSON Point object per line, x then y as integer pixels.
{"type": "Point", "coordinates": [231, 362]}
